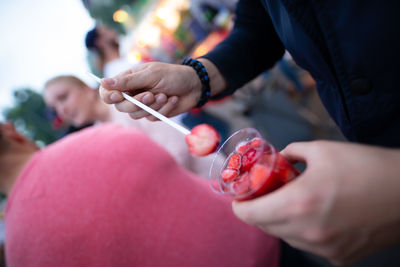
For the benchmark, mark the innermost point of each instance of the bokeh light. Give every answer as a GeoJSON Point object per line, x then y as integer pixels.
{"type": "Point", "coordinates": [120, 16]}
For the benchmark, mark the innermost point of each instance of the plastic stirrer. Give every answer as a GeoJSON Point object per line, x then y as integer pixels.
{"type": "Point", "coordinates": [149, 110]}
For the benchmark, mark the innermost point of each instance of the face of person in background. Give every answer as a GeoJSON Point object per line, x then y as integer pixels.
{"type": "Point", "coordinates": [72, 103]}
{"type": "Point", "coordinates": [107, 37]}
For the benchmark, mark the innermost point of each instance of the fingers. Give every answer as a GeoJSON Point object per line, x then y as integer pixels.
{"type": "Point", "coordinates": [269, 209]}
{"type": "Point", "coordinates": [147, 98]}
{"type": "Point", "coordinates": [166, 109]}
{"type": "Point", "coordinates": [110, 96]}
{"type": "Point", "coordinates": [154, 102]}
{"type": "Point", "coordinates": [296, 152]}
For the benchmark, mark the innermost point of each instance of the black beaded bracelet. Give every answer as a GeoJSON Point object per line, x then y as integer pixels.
{"type": "Point", "coordinates": [204, 78]}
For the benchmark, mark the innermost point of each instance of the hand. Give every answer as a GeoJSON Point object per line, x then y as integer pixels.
{"type": "Point", "coordinates": [344, 206]}
{"type": "Point", "coordinates": [167, 88]}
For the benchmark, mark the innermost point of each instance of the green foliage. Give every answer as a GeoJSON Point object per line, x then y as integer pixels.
{"type": "Point", "coordinates": [104, 14]}
{"type": "Point", "coordinates": [31, 117]}
{"type": "Point", "coordinates": [102, 11]}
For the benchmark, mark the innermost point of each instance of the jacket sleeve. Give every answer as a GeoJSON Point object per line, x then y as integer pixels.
{"type": "Point", "coordinates": [252, 47]}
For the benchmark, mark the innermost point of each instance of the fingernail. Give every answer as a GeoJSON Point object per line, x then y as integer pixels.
{"type": "Point", "coordinates": [147, 99]}
{"type": "Point", "coordinates": [173, 100]}
{"type": "Point", "coordinates": [115, 97]}
{"type": "Point", "coordinates": [109, 82]}
{"type": "Point", "coordinates": [160, 99]}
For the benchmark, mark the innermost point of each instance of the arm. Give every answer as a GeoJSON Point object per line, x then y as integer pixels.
{"type": "Point", "coordinates": [344, 206]}
{"type": "Point", "coordinates": [171, 89]}
{"type": "Point", "coordinates": [251, 48]}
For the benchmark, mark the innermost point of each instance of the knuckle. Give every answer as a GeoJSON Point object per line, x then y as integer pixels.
{"type": "Point", "coordinates": [123, 81]}
{"type": "Point", "coordinates": [104, 95]}
{"type": "Point", "coordinates": [155, 106]}
{"type": "Point", "coordinates": [319, 235]}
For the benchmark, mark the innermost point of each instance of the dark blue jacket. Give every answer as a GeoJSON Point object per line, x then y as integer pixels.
{"type": "Point", "coordinates": [350, 47]}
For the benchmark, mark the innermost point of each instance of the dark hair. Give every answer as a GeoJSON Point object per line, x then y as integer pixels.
{"type": "Point", "coordinates": [90, 39]}
{"type": "Point", "coordinates": [90, 42]}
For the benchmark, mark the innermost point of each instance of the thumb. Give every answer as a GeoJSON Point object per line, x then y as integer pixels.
{"type": "Point", "coordinates": [269, 209]}
{"type": "Point", "coordinates": [130, 81]}
{"type": "Point", "coordinates": [138, 78]}
{"type": "Point", "coordinates": [297, 152]}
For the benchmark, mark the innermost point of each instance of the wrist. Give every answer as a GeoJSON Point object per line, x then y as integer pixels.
{"type": "Point", "coordinates": [204, 78]}
{"type": "Point", "coordinates": [218, 82]}
{"type": "Point", "coordinates": [192, 85]}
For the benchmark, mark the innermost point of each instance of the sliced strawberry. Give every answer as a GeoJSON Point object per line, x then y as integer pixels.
{"type": "Point", "coordinates": [248, 159]}
{"type": "Point", "coordinates": [285, 170]}
{"type": "Point", "coordinates": [202, 140]}
{"type": "Point", "coordinates": [235, 161]}
{"type": "Point", "coordinates": [242, 147]}
{"type": "Point", "coordinates": [229, 175]}
{"type": "Point", "coordinates": [256, 142]}
{"type": "Point", "coordinates": [242, 185]}
{"type": "Point", "coordinates": [258, 174]}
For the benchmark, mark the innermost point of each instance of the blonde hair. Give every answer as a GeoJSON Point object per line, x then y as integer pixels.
{"type": "Point", "coordinates": [65, 78]}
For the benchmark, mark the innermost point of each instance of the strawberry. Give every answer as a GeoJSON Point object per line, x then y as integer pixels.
{"type": "Point", "coordinates": [258, 174]}
{"type": "Point", "coordinates": [248, 159]}
{"type": "Point", "coordinates": [202, 140]}
{"type": "Point", "coordinates": [242, 185]}
{"type": "Point", "coordinates": [256, 142]}
{"type": "Point", "coordinates": [229, 175]}
{"type": "Point", "coordinates": [242, 147]}
{"type": "Point", "coordinates": [285, 170]}
{"type": "Point", "coordinates": [234, 161]}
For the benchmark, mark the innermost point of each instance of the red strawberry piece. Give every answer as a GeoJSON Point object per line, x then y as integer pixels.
{"type": "Point", "coordinates": [281, 162]}
{"type": "Point", "coordinates": [256, 142]}
{"type": "Point", "coordinates": [248, 159]}
{"type": "Point", "coordinates": [242, 185]}
{"type": "Point", "coordinates": [285, 170]}
{"type": "Point", "coordinates": [229, 175]}
{"type": "Point", "coordinates": [235, 161]}
{"type": "Point", "coordinates": [242, 147]}
{"type": "Point", "coordinates": [258, 174]}
{"type": "Point", "coordinates": [202, 140]}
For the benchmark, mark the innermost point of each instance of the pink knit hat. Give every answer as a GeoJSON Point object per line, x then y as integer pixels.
{"type": "Point", "coordinates": [109, 196]}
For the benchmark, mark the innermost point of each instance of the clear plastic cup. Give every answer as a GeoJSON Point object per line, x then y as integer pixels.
{"type": "Point", "coordinates": [247, 166]}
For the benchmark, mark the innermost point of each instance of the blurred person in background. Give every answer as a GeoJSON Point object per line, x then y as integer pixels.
{"type": "Point", "coordinates": [109, 196]}
{"type": "Point", "coordinates": [345, 205]}
{"type": "Point", "coordinates": [78, 104]}
{"type": "Point", "coordinates": [104, 42]}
